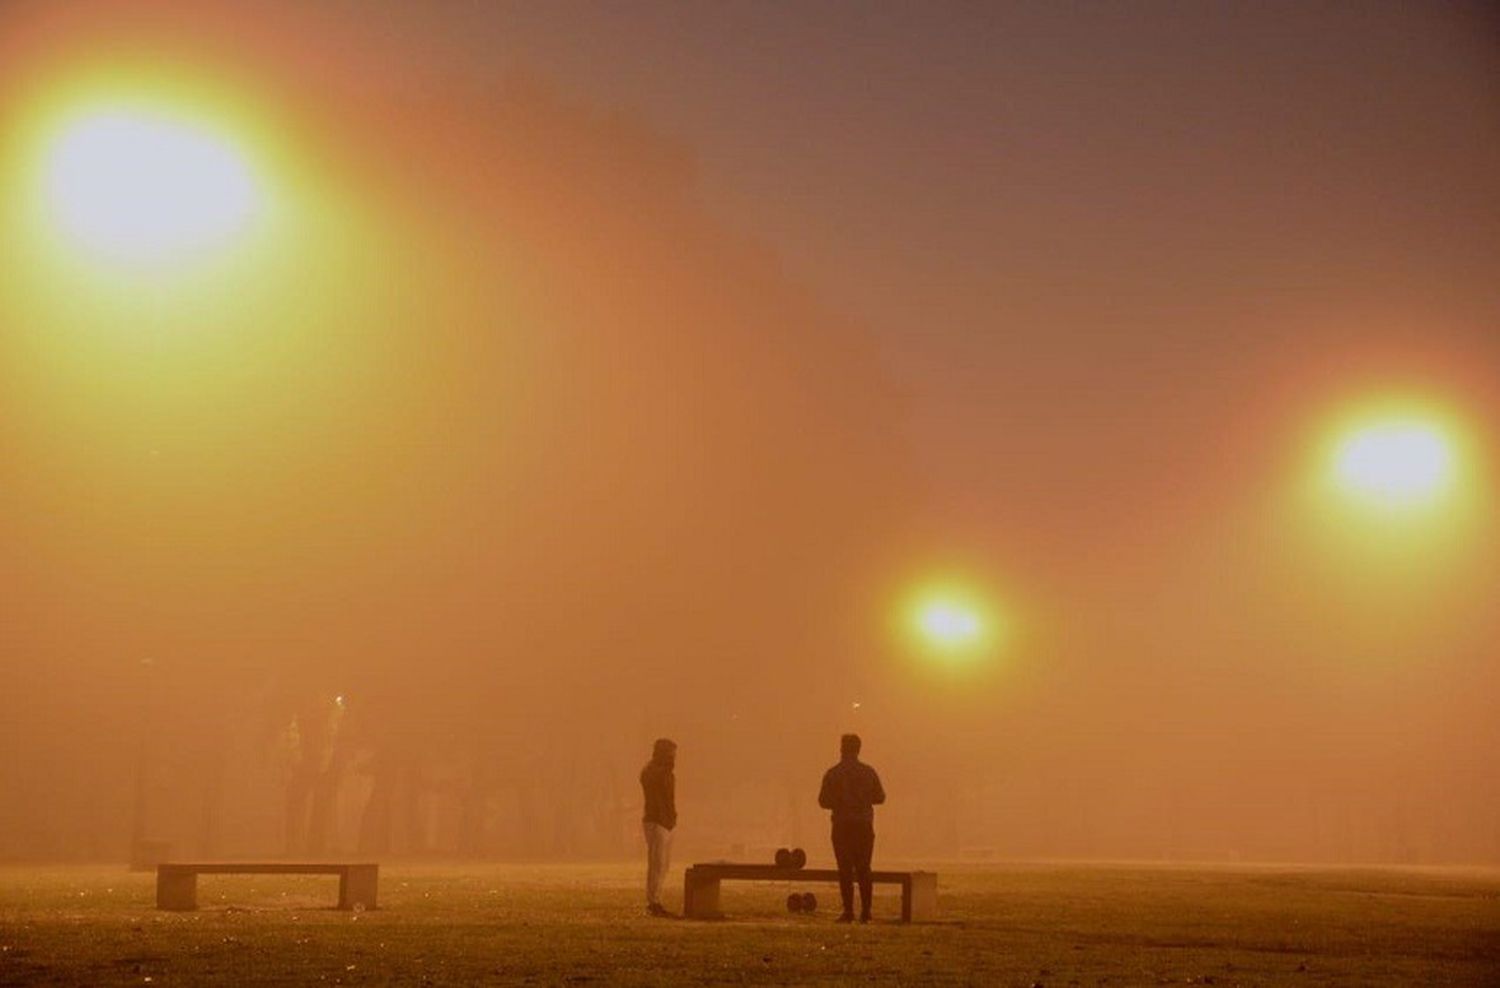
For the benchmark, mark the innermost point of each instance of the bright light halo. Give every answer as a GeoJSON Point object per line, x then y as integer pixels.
{"type": "Point", "coordinates": [1395, 462]}
{"type": "Point", "coordinates": [949, 623]}
{"type": "Point", "coordinates": [138, 186]}
{"type": "Point", "coordinates": [946, 623]}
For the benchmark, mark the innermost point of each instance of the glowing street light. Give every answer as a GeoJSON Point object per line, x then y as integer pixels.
{"type": "Point", "coordinates": [1395, 483]}
{"type": "Point", "coordinates": [950, 623]}
{"type": "Point", "coordinates": [1395, 462]}
{"type": "Point", "coordinates": [140, 185]}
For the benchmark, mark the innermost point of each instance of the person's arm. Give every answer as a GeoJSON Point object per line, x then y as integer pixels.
{"type": "Point", "coordinates": [669, 798]}
{"type": "Point", "coordinates": [658, 798]}
{"type": "Point", "coordinates": [877, 792]}
{"type": "Point", "coordinates": [825, 793]}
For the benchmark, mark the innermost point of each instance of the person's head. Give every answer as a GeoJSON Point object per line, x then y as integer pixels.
{"type": "Point", "coordinates": [849, 746]}
{"type": "Point", "coordinates": [664, 751]}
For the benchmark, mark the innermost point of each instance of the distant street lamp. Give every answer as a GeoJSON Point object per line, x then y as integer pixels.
{"type": "Point", "coordinates": [949, 623]}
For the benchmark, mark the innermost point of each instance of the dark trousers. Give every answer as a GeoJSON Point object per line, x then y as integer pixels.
{"type": "Point", "coordinates": [853, 846]}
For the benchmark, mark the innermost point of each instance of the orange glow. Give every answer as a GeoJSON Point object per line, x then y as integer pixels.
{"type": "Point", "coordinates": [1132, 492]}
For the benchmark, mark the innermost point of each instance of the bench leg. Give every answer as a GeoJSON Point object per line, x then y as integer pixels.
{"type": "Point", "coordinates": [176, 890]}
{"type": "Point", "coordinates": [919, 897]}
{"type": "Point", "coordinates": [700, 896]}
{"type": "Point", "coordinates": [357, 885]}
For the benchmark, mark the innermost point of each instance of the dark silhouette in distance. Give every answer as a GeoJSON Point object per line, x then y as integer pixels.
{"type": "Point", "coordinates": [659, 787]}
{"type": "Point", "coordinates": [852, 790]}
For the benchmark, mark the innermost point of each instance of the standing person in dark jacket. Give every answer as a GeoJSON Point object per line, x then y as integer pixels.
{"type": "Point", "coordinates": [659, 786]}
{"type": "Point", "coordinates": [852, 790]}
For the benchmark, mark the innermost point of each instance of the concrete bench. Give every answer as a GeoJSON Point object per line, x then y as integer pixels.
{"type": "Point", "coordinates": [700, 892]}
{"type": "Point", "coordinates": [177, 881]}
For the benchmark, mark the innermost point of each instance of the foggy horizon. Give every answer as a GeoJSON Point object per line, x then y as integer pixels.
{"type": "Point", "coordinates": [594, 375]}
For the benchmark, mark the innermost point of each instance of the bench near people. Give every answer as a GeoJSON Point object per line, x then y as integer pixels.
{"type": "Point", "coordinates": [701, 885]}
{"type": "Point", "coordinates": [177, 881]}
{"type": "Point", "coordinates": [850, 792]}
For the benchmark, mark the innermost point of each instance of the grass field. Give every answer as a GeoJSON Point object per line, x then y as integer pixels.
{"type": "Point", "coordinates": [583, 924]}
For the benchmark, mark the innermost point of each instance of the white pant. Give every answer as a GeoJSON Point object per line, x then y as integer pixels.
{"type": "Point", "coordinates": [658, 859]}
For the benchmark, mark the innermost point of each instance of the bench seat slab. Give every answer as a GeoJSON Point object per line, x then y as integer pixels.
{"type": "Point", "coordinates": [177, 881]}
{"type": "Point", "coordinates": [701, 886]}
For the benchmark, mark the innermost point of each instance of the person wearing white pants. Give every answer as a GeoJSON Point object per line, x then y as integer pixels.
{"type": "Point", "coordinates": [659, 787]}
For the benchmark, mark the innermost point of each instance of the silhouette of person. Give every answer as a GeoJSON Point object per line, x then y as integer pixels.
{"type": "Point", "coordinates": [852, 790]}
{"type": "Point", "coordinates": [659, 786]}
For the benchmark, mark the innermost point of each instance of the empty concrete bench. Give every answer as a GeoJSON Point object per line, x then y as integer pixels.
{"type": "Point", "coordinates": [700, 893]}
{"type": "Point", "coordinates": [177, 881]}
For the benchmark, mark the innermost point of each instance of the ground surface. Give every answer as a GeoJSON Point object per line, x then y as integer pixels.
{"type": "Point", "coordinates": [1054, 925]}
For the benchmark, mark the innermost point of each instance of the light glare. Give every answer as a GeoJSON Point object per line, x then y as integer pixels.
{"type": "Point", "coordinates": [136, 186]}
{"type": "Point", "coordinates": [1395, 463]}
{"type": "Point", "coordinates": [949, 624]}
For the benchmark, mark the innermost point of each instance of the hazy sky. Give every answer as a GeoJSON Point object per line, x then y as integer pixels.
{"type": "Point", "coordinates": [629, 361]}
{"type": "Point", "coordinates": [1118, 225]}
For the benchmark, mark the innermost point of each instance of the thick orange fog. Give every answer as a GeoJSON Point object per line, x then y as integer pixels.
{"type": "Point", "coordinates": [503, 440]}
